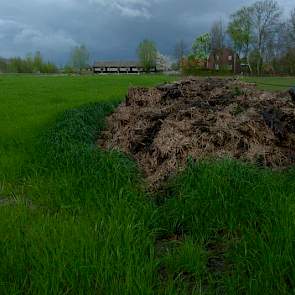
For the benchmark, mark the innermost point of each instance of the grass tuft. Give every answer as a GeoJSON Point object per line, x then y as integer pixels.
{"type": "Point", "coordinates": [243, 217]}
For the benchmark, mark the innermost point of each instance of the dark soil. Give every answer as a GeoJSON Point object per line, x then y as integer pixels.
{"type": "Point", "coordinates": [161, 127]}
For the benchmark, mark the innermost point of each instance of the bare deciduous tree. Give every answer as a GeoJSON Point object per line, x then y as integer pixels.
{"type": "Point", "coordinates": [180, 51]}
{"type": "Point", "coordinates": [265, 20]}
{"type": "Point", "coordinates": [217, 35]}
{"type": "Point", "coordinates": [292, 27]}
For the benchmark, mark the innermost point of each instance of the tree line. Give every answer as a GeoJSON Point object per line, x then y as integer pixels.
{"type": "Point", "coordinates": [259, 34]}
{"type": "Point", "coordinates": [78, 61]}
{"type": "Point", "coordinates": [29, 64]}
{"type": "Point", "coordinates": [148, 56]}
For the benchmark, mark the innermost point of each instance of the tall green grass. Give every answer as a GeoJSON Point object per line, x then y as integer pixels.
{"type": "Point", "coordinates": [240, 219]}
{"type": "Point", "coordinates": [88, 230]}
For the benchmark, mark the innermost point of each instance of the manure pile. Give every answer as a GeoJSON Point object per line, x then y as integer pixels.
{"type": "Point", "coordinates": [161, 127]}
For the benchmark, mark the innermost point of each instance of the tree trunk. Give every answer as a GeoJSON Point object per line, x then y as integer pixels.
{"type": "Point", "coordinates": [249, 64]}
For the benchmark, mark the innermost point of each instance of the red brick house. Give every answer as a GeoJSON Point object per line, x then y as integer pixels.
{"type": "Point", "coordinates": [224, 59]}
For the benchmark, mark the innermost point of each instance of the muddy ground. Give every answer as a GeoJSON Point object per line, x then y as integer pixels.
{"type": "Point", "coordinates": [161, 127]}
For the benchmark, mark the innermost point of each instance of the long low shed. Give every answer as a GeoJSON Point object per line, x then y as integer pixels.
{"type": "Point", "coordinates": [112, 67]}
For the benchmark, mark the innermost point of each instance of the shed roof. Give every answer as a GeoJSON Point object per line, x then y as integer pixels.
{"type": "Point", "coordinates": [116, 64]}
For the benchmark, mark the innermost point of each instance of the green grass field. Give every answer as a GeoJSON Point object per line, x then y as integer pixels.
{"type": "Point", "coordinates": [272, 83]}
{"type": "Point", "coordinates": [77, 220]}
{"type": "Point", "coordinates": [29, 104]}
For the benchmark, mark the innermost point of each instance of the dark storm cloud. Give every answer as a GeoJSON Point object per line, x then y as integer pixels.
{"type": "Point", "coordinates": [109, 28]}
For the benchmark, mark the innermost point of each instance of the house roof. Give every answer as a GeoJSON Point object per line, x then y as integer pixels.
{"type": "Point", "coordinates": [224, 50]}
{"type": "Point", "coordinates": [116, 64]}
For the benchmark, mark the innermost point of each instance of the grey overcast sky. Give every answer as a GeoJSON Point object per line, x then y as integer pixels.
{"type": "Point", "coordinates": [111, 29]}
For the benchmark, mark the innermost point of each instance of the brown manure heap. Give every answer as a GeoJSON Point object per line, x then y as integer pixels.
{"type": "Point", "coordinates": [161, 127]}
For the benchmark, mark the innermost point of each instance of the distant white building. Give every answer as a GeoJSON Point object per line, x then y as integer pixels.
{"type": "Point", "coordinates": [119, 67]}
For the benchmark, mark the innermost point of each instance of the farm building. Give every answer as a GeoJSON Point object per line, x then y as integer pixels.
{"type": "Point", "coordinates": [111, 67]}
{"type": "Point", "coordinates": [224, 59]}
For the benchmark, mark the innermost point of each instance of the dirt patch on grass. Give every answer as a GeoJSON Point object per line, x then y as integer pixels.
{"type": "Point", "coordinates": [5, 201]}
{"type": "Point", "coordinates": [12, 201]}
{"type": "Point", "coordinates": [161, 127]}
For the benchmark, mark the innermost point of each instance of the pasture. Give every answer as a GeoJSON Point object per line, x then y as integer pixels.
{"type": "Point", "coordinates": [272, 83]}
{"type": "Point", "coordinates": [30, 104]}
{"type": "Point", "coordinates": [77, 220]}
